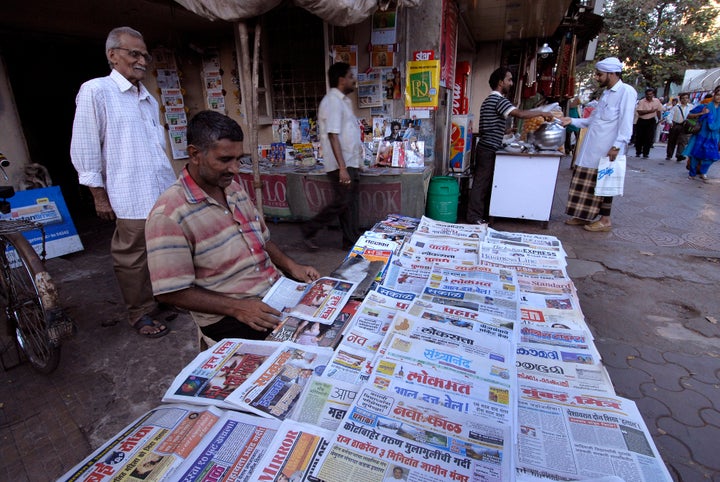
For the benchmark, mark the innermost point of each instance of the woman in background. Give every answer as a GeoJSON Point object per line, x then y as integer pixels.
{"type": "Point", "coordinates": [702, 150]}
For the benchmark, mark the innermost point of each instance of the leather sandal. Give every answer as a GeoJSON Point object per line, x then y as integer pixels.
{"type": "Point", "coordinates": [598, 227]}
{"type": "Point", "coordinates": [576, 222]}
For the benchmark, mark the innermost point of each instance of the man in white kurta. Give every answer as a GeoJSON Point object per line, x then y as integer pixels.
{"type": "Point", "coordinates": [609, 128]}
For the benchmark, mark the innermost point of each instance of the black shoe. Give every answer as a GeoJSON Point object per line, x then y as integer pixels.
{"type": "Point", "coordinates": [667, 158]}
{"type": "Point", "coordinates": [645, 157]}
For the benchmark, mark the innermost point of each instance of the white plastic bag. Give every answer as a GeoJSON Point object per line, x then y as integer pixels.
{"type": "Point", "coordinates": [611, 177]}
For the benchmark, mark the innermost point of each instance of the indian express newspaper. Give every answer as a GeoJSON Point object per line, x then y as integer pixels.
{"type": "Point", "coordinates": [384, 432]}
{"type": "Point", "coordinates": [566, 434]}
{"type": "Point", "coordinates": [274, 388]}
{"type": "Point", "coordinates": [216, 372]}
{"type": "Point", "coordinates": [151, 447]}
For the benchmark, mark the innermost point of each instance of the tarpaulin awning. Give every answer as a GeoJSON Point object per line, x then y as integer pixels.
{"type": "Point", "coordinates": [701, 80]}
{"type": "Point", "coordinates": [334, 12]}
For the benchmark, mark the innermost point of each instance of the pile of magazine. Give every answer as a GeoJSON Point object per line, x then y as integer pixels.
{"type": "Point", "coordinates": [435, 352]}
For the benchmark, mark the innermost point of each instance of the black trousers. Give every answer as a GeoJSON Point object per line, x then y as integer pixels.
{"type": "Point", "coordinates": [479, 203]}
{"type": "Point", "coordinates": [644, 136]}
{"type": "Point", "coordinates": [345, 206]}
{"type": "Point", "coordinates": [677, 138]}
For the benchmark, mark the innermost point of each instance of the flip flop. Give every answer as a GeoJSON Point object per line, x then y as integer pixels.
{"type": "Point", "coordinates": [145, 320]}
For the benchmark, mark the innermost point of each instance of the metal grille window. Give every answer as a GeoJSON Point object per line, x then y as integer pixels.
{"type": "Point", "coordinates": [294, 64]}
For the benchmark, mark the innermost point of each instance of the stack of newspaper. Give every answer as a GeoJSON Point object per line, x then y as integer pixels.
{"type": "Point", "coordinates": [467, 359]}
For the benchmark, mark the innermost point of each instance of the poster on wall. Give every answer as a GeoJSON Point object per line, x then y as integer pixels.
{"type": "Point", "coordinates": [347, 54]}
{"type": "Point", "coordinates": [384, 27]}
{"type": "Point", "coordinates": [47, 207]}
{"type": "Point", "coordinates": [370, 90]}
{"type": "Point", "coordinates": [178, 141]}
{"type": "Point", "coordinates": [212, 82]}
{"type": "Point", "coordinates": [168, 79]}
{"type": "Point", "coordinates": [382, 56]}
{"type": "Point", "coordinates": [422, 85]}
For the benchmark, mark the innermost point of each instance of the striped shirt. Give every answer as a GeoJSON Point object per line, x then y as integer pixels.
{"type": "Point", "coordinates": [493, 120]}
{"type": "Point", "coordinates": [192, 240]}
{"type": "Point", "coordinates": [118, 143]}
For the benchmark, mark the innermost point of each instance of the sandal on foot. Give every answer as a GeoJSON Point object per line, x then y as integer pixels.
{"type": "Point", "coordinates": [598, 227]}
{"type": "Point", "coordinates": [144, 321]}
{"type": "Point", "coordinates": [576, 222]}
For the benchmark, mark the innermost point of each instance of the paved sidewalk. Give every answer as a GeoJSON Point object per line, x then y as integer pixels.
{"type": "Point", "coordinates": [649, 291]}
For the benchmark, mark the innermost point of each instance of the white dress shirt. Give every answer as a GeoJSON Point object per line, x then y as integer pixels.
{"type": "Point", "coordinates": [336, 116]}
{"type": "Point", "coordinates": [118, 143]}
{"type": "Point", "coordinates": [610, 124]}
{"type": "Point", "coordinates": [679, 113]}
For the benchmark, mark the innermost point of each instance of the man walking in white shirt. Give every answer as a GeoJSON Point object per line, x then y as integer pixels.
{"type": "Point", "coordinates": [609, 128]}
{"type": "Point", "coordinates": [118, 150]}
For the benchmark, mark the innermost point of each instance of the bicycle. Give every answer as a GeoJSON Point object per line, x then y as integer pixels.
{"type": "Point", "coordinates": [33, 315]}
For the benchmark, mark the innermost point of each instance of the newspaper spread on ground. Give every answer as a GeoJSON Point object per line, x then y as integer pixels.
{"type": "Point", "coordinates": [396, 226]}
{"type": "Point", "coordinates": [216, 372]}
{"type": "Point", "coordinates": [451, 326]}
{"type": "Point", "coordinates": [560, 337]}
{"type": "Point", "coordinates": [292, 454]}
{"type": "Point", "coordinates": [510, 256]}
{"type": "Point", "coordinates": [563, 301]}
{"type": "Point", "coordinates": [444, 229]}
{"type": "Point", "coordinates": [304, 332]}
{"type": "Point", "coordinates": [231, 451]}
{"type": "Point", "coordinates": [468, 396]}
{"type": "Point", "coordinates": [554, 318]}
{"type": "Point", "coordinates": [433, 249]}
{"type": "Point", "coordinates": [366, 263]}
{"type": "Point", "coordinates": [524, 239]}
{"type": "Point", "coordinates": [384, 433]}
{"type": "Point", "coordinates": [404, 274]}
{"type": "Point", "coordinates": [452, 285]}
{"type": "Point", "coordinates": [350, 365]}
{"type": "Point", "coordinates": [149, 448]}
{"type": "Point", "coordinates": [567, 368]}
{"type": "Point", "coordinates": [274, 388]}
{"type": "Point", "coordinates": [325, 402]}
{"type": "Point", "coordinates": [568, 435]}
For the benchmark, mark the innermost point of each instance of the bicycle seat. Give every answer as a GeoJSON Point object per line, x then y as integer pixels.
{"type": "Point", "coordinates": [6, 192]}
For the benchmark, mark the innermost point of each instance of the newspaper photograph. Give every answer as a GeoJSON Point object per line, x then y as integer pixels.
{"type": "Point", "coordinates": [274, 388]}
{"type": "Point", "coordinates": [323, 299]}
{"type": "Point", "coordinates": [304, 332]}
{"type": "Point", "coordinates": [444, 229]}
{"type": "Point", "coordinates": [325, 402]}
{"type": "Point", "coordinates": [149, 448]}
{"type": "Point", "coordinates": [292, 454]}
{"type": "Point", "coordinates": [216, 372]}
{"type": "Point", "coordinates": [566, 435]}
{"type": "Point", "coordinates": [425, 442]}
{"type": "Point", "coordinates": [553, 318]}
{"type": "Point", "coordinates": [231, 451]}
{"type": "Point", "coordinates": [396, 225]}
{"type": "Point", "coordinates": [351, 365]}
{"type": "Point", "coordinates": [366, 263]}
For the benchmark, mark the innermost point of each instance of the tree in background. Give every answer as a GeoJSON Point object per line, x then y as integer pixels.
{"type": "Point", "coordinates": [659, 39]}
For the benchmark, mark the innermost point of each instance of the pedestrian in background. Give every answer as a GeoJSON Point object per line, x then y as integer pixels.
{"type": "Point", "coordinates": [678, 137]}
{"type": "Point", "coordinates": [118, 150]}
{"type": "Point", "coordinates": [494, 113]}
{"type": "Point", "coordinates": [609, 128]}
{"type": "Point", "coordinates": [649, 110]}
{"type": "Point", "coordinates": [703, 146]}
{"type": "Point", "coordinates": [343, 153]}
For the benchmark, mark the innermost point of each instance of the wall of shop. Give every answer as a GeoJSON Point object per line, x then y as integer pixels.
{"type": "Point", "coordinates": [12, 139]}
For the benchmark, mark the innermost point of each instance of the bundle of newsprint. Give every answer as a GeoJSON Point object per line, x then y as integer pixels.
{"type": "Point", "coordinates": [435, 352]}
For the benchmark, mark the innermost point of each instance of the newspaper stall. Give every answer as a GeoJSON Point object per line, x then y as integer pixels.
{"type": "Point", "coordinates": [463, 356]}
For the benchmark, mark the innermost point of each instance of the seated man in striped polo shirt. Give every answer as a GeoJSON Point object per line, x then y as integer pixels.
{"type": "Point", "coordinates": [209, 250]}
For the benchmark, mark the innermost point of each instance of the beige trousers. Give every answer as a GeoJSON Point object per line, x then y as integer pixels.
{"type": "Point", "coordinates": [129, 256]}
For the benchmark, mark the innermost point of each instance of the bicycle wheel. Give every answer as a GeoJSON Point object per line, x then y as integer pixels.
{"type": "Point", "coordinates": [28, 308]}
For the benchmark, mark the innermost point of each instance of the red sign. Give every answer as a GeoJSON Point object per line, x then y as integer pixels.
{"type": "Point", "coordinates": [274, 190]}
{"type": "Point", "coordinates": [424, 55]}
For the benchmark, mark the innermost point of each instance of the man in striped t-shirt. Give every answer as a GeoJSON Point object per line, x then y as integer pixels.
{"type": "Point", "coordinates": [494, 113]}
{"type": "Point", "coordinates": [209, 250]}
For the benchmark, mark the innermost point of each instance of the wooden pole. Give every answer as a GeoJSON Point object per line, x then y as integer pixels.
{"type": "Point", "coordinates": [249, 106]}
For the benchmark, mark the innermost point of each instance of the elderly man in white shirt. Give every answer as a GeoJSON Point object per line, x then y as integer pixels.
{"type": "Point", "coordinates": [118, 150]}
{"type": "Point", "coordinates": [609, 128]}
